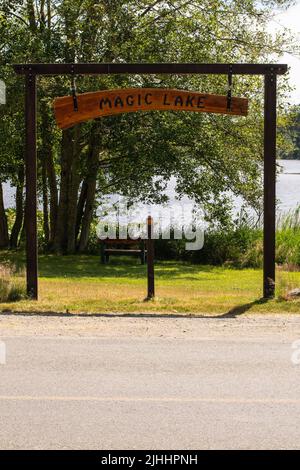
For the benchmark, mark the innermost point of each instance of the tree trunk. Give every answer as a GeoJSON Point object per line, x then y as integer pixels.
{"type": "Point", "coordinates": [48, 174]}
{"type": "Point", "coordinates": [53, 199]}
{"type": "Point", "coordinates": [60, 238]}
{"type": "Point", "coordinates": [80, 207]}
{"type": "Point", "coordinates": [91, 183]}
{"type": "Point", "coordinates": [88, 213]}
{"type": "Point", "coordinates": [64, 240]}
{"type": "Point", "coordinates": [3, 222]}
{"type": "Point", "coordinates": [74, 183]}
{"type": "Point", "coordinates": [45, 203]}
{"type": "Point", "coordinates": [17, 227]}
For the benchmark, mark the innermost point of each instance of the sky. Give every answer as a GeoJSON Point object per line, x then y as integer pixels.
{"type": "Point", "coordinates": [290, 19]}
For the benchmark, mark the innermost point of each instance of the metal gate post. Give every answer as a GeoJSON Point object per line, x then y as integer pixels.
{"type": "Point", "coordinates": [31, 186]}
{"type": "Point", "coordinates": [150, 259]}
{"type": "Point", "coordinates": [269, 185]}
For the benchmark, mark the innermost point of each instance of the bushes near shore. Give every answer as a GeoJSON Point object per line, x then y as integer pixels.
{"type": "Point", "coordinates": [240, 244]}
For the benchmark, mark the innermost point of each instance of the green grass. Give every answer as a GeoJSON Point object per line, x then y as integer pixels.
{"type": "Point", "coordinates": [78, 284]}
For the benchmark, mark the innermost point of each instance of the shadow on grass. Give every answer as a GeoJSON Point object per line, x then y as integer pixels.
{"type": "Point", "coordinates": [241, 309]}
{"type": "Point", "coordinates": [233, 313]}
{"type": "Point", "coordinates": [90, 266]}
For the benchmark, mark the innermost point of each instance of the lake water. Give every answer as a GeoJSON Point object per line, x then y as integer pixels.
{"type": "Point", "coordinates": [288, 187]}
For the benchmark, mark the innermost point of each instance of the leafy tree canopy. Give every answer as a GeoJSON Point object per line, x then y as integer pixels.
{"type": "Point", "coordinates": [137, 154]}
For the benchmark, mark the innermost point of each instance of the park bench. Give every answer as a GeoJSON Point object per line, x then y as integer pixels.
{"type": "Point", "coordinates": [123, 247]}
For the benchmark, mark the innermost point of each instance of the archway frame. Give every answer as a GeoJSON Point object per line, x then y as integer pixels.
{"type": "Point", "coordinates": [269, 71]}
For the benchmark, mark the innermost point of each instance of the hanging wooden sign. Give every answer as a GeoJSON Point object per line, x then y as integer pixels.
{"type": "Point", "coordinates": [110, 102]}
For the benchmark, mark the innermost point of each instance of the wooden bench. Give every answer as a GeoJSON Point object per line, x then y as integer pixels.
{"type": "Point", "coordinates": [123, 247]}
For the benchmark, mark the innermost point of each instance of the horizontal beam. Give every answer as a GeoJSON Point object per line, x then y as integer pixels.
{"type": "Point", "coordinates": [98, 69]}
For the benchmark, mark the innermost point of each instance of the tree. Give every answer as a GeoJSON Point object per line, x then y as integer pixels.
{"type": "Point", "coordinates": [291, 132]}
{"type": "Point", "coordinates": [137, 154]}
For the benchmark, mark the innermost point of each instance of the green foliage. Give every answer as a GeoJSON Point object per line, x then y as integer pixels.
{"type": "Point", "coordinates": [239, 245]}
{"type": "Point", "coordinates": [137, 154]}
{"type": "Point", "coordinates": [291, 130]}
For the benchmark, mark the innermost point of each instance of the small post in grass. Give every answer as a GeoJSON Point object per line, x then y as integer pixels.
{"type": "Point", "coordinates": [150, 259]}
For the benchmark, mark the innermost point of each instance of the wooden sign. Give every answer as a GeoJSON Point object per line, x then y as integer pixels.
{"type": "Point", "coordinates": [110, 102]}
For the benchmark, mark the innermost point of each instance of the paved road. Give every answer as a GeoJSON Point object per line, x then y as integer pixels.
{"type": "Point", "coordinates": [149, 392]}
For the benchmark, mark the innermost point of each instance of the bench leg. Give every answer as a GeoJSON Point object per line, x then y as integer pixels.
{"type": "Point", "coordinates": [102, 253]}
{"type": "Point", "coordinates": [143, 254]}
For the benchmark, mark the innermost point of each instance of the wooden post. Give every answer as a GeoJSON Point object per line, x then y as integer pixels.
{"type": "Point", "coordinates": [150, 259]}
{"type": "Point", "coordinates": [102, 245]}
{"type": "Point", "coordinates": [269, 185]}
{"type": "Point", "coordinates": [31, 187]}
{"type": "Point", "coordinates": [270, 71]}
{"type": "Point", "coordinates": [143, 252]}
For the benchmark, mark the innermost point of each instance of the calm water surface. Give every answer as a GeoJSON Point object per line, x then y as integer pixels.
{"type": "Point", "coordinates": [288, 187]}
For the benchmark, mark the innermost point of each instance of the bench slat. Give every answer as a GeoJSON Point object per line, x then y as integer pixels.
{"type": "Point", "coordinates": [119, 241]}
{"type": "Point", "coordinates": [111, 251]}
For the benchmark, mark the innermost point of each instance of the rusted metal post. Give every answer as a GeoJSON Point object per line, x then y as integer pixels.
{"type": "Point", "coordinates": [150, 259]}
{"type": "Point", "coordinates": [31, 186]}
{"type": "Point", "coordinates": [269, 185]}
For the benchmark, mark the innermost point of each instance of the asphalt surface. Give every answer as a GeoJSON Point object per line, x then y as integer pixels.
{"type": "Point", "coordinates": [149, 393]}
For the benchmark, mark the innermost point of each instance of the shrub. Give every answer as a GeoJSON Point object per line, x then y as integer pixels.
{"type": "Point", "coordinates": [12, 285]}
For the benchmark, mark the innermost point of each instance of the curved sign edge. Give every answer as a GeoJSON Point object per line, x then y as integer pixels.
{"type": "Point", "coordinates": [103, 103]}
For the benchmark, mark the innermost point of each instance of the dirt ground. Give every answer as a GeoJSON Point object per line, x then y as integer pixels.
{"type": "Point", "coordinates": [250, 326]}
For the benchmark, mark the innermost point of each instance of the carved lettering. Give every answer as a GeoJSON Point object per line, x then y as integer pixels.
{"type": "Point", "coordinates": [110, 102]}
{"type": "Point", "coordinates": [104, 102]}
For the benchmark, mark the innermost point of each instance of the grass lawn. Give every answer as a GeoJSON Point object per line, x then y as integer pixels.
{"type": "Point", "coordinates": [81, 284]}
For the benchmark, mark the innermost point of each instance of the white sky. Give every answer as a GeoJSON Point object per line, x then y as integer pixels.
{"type": "Point", "coordinates": [290, 20]}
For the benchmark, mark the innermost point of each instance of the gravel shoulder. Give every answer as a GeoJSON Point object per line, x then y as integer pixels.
{"type": "Point", "coordinates": [118, 326]}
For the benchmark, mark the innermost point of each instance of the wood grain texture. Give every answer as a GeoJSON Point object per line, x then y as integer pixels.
{"type": "Point", "coordinates": [109, 102]}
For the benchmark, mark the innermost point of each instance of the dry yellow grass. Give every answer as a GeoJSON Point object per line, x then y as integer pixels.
{"type": "Point", "coordinates": [82, 285]}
